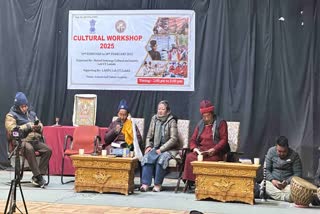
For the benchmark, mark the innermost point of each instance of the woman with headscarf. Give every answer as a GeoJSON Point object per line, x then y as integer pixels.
{"type": "Point", "coordinates": [161, 146]}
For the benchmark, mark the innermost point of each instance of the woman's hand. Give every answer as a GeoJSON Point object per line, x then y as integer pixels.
{"type": "Point", "coordinates": [158, 151]}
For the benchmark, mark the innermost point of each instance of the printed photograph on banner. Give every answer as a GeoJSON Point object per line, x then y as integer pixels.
{"type": "Point", "coordinates": [177, 69]}
{"type": "Point", "coordinates": [152, 68]}
{"type": "Point", "coordinates": [171, 25]}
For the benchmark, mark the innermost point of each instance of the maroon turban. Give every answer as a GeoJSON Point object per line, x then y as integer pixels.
{"type": "Point", "coordinates": [206, 106]}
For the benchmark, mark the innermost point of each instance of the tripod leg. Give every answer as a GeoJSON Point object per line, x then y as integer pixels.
{"type": "Point", "coordinates": [9, 195]}
{"type": "Point", "coordinates": [24, 202]}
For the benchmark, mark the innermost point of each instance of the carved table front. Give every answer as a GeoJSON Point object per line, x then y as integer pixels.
{"type": "Point", "coordinates": [104, 174]}
{"type": "Point", "coordinates": [224, 181]}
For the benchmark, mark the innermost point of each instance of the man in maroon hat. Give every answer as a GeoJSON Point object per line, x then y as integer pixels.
{"type": "Point", "coordinates": [209, 139]}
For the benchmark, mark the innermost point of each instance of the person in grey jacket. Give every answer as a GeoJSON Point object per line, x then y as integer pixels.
{"type": "Point", "coordinates": [282, 163]}
{"type": "Point", "coordinates": [161, 146]}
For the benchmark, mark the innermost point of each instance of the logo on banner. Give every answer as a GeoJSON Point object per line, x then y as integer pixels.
{"type": "Point", "coordinates": [92, 26]}
{"type": "Point", "coordinates": [120, 26]}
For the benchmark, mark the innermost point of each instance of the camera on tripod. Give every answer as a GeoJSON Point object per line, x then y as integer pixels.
{"type": "Point", "coordinates": [16, 132]}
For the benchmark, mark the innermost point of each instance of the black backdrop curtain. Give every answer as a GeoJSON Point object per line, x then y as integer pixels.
{"type": "Point", "coordinates": [257, 61]}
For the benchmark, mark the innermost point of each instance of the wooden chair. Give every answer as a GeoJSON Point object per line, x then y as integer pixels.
{"type": "Point", "coordinates": [176, 165]}
{"type": "Point", "coordinates": [84, 137]}
{"type": "Point", "coordinates": [11, 147]}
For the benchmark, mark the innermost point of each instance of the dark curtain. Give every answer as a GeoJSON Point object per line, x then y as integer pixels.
{"type": "Point", "coordinates": [257, 61]}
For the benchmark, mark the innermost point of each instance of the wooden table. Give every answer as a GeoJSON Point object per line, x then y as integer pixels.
{"type": "Point", "coordinates": [104, 174]}
{"type": "Point", "coordinates": [224, 181]}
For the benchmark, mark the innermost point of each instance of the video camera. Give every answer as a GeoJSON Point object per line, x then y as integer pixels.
{"type": "Point", "coordinates": [16, 132]}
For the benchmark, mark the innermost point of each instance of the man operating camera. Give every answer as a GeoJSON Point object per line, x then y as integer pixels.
{"type": "Point", "coordinates": [30, 133]}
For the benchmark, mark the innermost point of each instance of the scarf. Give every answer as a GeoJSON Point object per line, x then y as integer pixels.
{"type": "Point", "coordinates": [159, 129]}
{"type": "Point", "coordinates": [127, 132]}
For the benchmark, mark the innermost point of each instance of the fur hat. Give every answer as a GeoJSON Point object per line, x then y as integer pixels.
{"type": "Point", "coordinates": [20, 99]}
{"type": "Point", "coordinates": [206, 106]}
{"type": "Point", "coordinates": [123, 105]}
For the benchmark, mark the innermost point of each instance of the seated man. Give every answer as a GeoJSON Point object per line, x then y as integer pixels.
{"type": "Point", "coordinates": [21, 116]}
{"type": "Point", "coordinates": [121, 131]}
{"type": "Point", "coordinates": [210, 138]}
{"type": "Point", "coordinates": [282, 163]}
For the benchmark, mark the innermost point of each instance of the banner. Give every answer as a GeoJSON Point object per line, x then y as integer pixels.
{"type": "Point", "coordinates": [131, 50]}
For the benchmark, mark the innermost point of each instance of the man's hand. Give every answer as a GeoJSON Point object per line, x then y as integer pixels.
{"type": "Point", "coordinates": [147, 150]}
{"type": "Point", "coordinates": [197, 151]}
{"type": "Point", "coordinates": [36, 128]}
{"type": "Point", "coordinates": [158, 151]}
{"type": "Point", "coordinates": [277, 184]}
{"type": "Point", "coordinates": [211, 152]}
{"type": "Point", "coordinates": [118, 128]}
{"type": "Point", "coordinates": [284, 184]}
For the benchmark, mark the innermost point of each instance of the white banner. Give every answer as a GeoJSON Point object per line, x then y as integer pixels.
{"type": "Point", "coordinates": [131, 50]}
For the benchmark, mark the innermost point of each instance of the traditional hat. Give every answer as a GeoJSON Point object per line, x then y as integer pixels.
{"type": "Point", "coordinates": [20, 99]}
{"type": "Point", "coordinates": [123, 105]}
{"type": "Point", "coordinates": [206, 106]}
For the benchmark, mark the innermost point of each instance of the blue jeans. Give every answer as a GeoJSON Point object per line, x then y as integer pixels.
{"type": "Point", "coordinates": [148, 172]}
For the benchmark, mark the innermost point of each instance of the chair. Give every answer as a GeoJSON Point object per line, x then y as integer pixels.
{"type": "Point", "coordinates": [233, 140]}
{"type": "Point", "coordinates": [176, 164]}
{"type": "Point", "coordinates": [84, 137]}
{"type": "Point", "coordinates": [84, 110]}
{"type": "Point", "coordinates": [11, 146]}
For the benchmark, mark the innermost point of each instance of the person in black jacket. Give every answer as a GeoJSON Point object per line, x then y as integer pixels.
{"type": "Point", "coordinates": [31, 136]}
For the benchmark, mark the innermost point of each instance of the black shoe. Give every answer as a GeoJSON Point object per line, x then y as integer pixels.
{"type": "Point", "coordinates": [38, 181]}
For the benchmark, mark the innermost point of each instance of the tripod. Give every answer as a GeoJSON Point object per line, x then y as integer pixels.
{"type": "Point", "coordinates": [12, 196]}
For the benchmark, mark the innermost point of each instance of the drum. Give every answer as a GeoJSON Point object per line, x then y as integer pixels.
{"type": "Point", "coordinates": [302, 191]}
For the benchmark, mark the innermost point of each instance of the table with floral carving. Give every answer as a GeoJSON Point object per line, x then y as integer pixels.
{"type": "Point", "coordinates": [104, 174]}
{"type": "Point", "coordinates": [225, 181]}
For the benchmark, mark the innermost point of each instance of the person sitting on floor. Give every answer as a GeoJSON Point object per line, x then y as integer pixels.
{"type": "Point", "coordinates": [210, 139]}
{"type": "Point", "coordinates": [282, 163]}
{"type": "Point", "coordinates": [31, 136]}
{"type": "Point", "coordinates": [121, 131]}
{"type": "Point", "coordinates": [161, 146]}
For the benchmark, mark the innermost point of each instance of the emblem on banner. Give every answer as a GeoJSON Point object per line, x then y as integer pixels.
{"type": "Point", "coordinates": [92, 26]}
{"type": "Point", "coordinates": [120, 26]}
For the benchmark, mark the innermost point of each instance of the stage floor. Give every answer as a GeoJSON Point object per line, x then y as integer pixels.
{"type": "Point", "coordinates": [58, 198]}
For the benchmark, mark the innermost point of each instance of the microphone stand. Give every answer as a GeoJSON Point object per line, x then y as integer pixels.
{"type": "Point", "coordinates": [12, 196]}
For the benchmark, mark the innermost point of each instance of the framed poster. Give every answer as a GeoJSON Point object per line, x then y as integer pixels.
{"type": "Point", "coordinates": [84, 109]}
